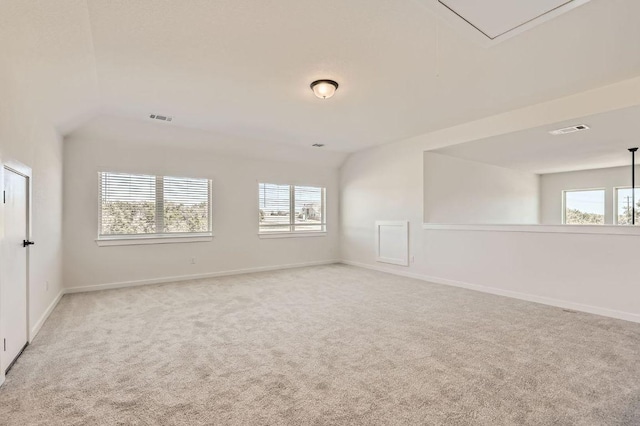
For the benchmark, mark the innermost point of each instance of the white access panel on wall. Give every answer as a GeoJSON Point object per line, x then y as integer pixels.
{"type": "Point", "coordinates": [392, 242]}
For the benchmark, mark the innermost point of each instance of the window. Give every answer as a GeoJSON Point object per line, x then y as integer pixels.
{"type": "Point", "coordinates": [289, 208]}
{"type": "Point", "coordinates": [145, 205]}
{"type": "Point", "coordinates": [584, 207]}
{"type": "Point", "coordinates": [624, 203]}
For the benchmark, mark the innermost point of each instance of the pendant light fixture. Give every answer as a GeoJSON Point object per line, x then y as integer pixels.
{"type": "Point", "coordinates": [324, 89]}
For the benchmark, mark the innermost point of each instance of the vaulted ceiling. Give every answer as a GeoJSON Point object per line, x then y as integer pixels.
{"type": "Point", "coordinates": [243, 67]}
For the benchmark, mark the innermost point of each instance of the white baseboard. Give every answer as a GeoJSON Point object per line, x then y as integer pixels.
{"type": "Point", "coordinates": [36, 328]}
{"type": "Point", "coordinates": [627, 316]}
{"type": "Point", "coordinates": [124, 284]}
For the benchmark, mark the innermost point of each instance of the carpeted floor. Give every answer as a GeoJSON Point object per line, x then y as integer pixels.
{"type": "Point", "coordinates": [326, 345]}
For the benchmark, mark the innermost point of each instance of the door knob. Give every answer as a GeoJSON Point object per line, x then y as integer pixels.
{"type": "Point", "coordinates": [26, 243]}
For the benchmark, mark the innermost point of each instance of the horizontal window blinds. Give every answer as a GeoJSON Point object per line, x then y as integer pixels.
{"type": "Point", "coordinates": [308, 207]}
{"type": "Point", "coordinates": [289, 208]}
{"type": "Point", "coordinates": [275, 207]}
{"type": "Point", "coordinates": [128, 204]}
{"type": "Point", "coordinates": [186, 205]}
{"type": "Point", "coordinates": [132, 204]}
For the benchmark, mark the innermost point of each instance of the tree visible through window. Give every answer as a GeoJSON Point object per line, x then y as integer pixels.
{"type": "Point", "coordinates": [624, 203]}
{"type": "Point", "coordinates": [132, 204]}
{"type": "Point", "coordinates": [584, 207]}
{"type": "Point", "coordinates": [290, 208]}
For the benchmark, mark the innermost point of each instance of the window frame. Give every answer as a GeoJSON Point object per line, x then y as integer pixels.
{"type": "Point", "coordinates": [292, 232]}
{"type": "Point", "coordinates": [615, 204]}
{"type": "Point", "coordinates": [156, 237]}
{"type": "Point", "coordinates": [564, 206]}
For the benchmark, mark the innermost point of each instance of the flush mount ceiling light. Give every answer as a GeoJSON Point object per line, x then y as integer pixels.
{"type": "Point", "coordinates": [324, 89]}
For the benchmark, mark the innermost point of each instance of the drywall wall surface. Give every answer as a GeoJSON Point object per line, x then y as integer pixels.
{"type": "Point", "coordinates": [463, 191]}
{"type": "Point", "coordinates": [587, 272]}
{"type": "Point", "coordinates": [384, 183]}
{"type": "Point", "coordinates": [48, 83]}
{"type": "Point", "coordinates": [236, 244]}
{"type": "Point", "coordinates": [552, 186]}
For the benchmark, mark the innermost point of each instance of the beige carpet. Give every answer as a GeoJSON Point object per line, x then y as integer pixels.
{"type": "Point", "coordinates": [322, 346]}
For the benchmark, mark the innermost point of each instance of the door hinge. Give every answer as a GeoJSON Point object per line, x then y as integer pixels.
{"type": "Point", "coordinates": [4, 197]}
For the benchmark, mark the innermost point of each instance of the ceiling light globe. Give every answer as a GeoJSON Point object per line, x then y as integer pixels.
{"type": "Point", "coordinates": [324, 89]}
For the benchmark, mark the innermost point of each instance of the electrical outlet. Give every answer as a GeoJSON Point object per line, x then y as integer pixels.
{"type": "Point", "coordinates": [193, 260]}
{"type": "Point", "coordinates": [413, 259]}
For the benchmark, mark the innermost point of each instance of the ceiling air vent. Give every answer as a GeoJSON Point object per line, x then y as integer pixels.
{"type": "Point", "coordinates": [160, 117]}
{"type": "Point", "coordinates": [572, 129]}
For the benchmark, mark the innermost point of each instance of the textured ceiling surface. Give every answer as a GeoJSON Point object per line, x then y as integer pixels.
{"type": "Point", "coordinates": [243, 68]}
{"type": "Point", "coordinates": [605, 144]}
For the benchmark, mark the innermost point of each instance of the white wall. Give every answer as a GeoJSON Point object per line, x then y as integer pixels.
{"type": "Point", "coordinates": [588, 272]}
{"type": "Point", "coordinates": [463, 191]}
{"type": "Point", "coordinates": [552, 185]}
{"type": "Point", "coordinates": [36, 102]}
{"type": "Point", "coordinates": [235, 246]}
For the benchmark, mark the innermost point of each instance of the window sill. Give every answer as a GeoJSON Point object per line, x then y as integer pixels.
{"type": "Point", "coordinates": [156, 239]}
{"type": "Point", "coordinates": [298, 234]}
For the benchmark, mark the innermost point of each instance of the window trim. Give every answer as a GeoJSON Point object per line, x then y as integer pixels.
{"type": "Point", "coordinates": [615, 204]}
{"type": "Point", "coordinates": [154, 238]}
{"type": "Point", "coordinates": [564, 206]}
{"type": "Point", "coordinates": [142, 239]}
{"type": "Point", "coordinates": [291, 232]}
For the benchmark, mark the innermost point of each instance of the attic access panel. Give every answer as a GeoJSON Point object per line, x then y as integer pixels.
{"type": "Point", "coordinates": [495, 18]}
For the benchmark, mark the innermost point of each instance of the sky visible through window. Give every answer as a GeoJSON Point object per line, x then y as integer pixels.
{"type": "Point", "coordinates": [586, 201]}
{"type": "Point", "coordinates": [584, 207]}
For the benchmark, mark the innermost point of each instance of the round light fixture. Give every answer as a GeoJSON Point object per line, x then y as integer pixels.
{"type": "Point", "coordinates": [324, 89]}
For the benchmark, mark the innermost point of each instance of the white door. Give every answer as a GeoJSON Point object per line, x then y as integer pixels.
{"type": "Point", "coordinates": [14, 277]}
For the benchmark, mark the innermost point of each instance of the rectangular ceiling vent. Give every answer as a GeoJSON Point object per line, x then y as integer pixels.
{"type": "Point", "coordinates": [160, 117]}
{"type": "Point", "coordinates": [572, 129]}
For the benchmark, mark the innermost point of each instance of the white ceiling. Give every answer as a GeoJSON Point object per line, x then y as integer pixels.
{"type": "Point", "coordinates": [496, 17]}
{"type": "Point", "coordinates": [47, 67]}
{"type": "Point", "coordinates": [109, 128]}
{"type": "Point", "coordinates": [535, 150]}
{"type": "Point", "coordinates": [243, 67]}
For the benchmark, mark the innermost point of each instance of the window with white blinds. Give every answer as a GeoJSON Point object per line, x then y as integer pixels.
{"type": "Point", "coordinates": [290, 208]}
{"type": "Point", "coordinates": [139, 205]}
